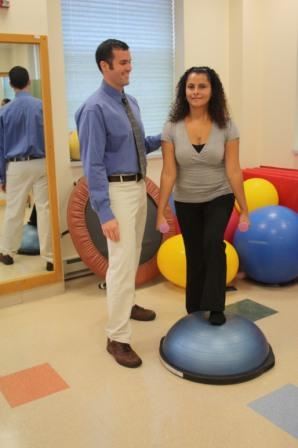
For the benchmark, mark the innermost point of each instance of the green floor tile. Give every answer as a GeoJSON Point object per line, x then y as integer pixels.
{"type": "Point", "coordinates": [250, 310]}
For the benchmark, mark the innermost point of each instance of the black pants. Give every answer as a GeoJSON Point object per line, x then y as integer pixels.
{"type": "Point", "coordinates": [202, 226]}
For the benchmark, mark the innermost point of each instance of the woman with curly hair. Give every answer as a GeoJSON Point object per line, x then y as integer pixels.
{"type": "Point", "coordinates": [200, 146]}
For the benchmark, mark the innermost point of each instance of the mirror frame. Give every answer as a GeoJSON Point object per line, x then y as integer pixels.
{"type": "Point", "coordinates": [22, 283]}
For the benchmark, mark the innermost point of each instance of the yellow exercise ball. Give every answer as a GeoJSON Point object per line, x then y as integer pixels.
{"type": "Point", "coordinates": [74, 146]}
{"type": "Point", "coordinates": [259, 193]}
{"type": "Point", "coordinates": [171, 261]}
{"type": "Point", "coordinates": [232, 262]}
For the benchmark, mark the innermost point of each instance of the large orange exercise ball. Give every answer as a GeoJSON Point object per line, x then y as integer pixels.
{"type": "Point", "coordinates": [74, 146]}
{"type": "Point", "coordinates": [259, 193]}
{"type": "Point", "coordinates": [171, 261]}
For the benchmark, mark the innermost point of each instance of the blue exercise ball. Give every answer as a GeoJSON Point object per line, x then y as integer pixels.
{"type": "Point", "coordinates": [231, 353]}
{"type": "Point", "coordinates": [268, 251]}
{"type": "Point", "coordinates": [30, 241]}
{"type": "Point", "coordinates": [172, 204]}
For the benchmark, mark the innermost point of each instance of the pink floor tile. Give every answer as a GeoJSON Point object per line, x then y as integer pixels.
{"type": "Point", "coordinates": [30, 384]}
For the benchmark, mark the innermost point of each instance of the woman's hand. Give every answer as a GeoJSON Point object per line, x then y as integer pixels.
{"type": "Point", "coordinates": [244, 222]}
{"type": "Point", "coordinates": [161, 222]}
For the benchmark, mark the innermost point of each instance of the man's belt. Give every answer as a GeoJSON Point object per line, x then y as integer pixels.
{"type": "Point", "coordinates": [23, 158]}
{"type": "Point", "coordinates": [125, 177]}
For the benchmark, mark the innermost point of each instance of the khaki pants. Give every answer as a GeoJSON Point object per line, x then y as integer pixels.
{"type": "Point", "coordinates": [129, 205]}
{"type": "Point", "coordinates": [22, 178]}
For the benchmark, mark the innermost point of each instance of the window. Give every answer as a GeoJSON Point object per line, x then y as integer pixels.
{"type": "Point", "coordinates": [147, 27]}
{"type": "Point", "coordinates": [5, 90]}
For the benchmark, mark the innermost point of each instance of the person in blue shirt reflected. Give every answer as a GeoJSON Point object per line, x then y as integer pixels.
{"type": "Point", "coordinates": [115, 177]}
{"type": "Point", "coordinates": [23, 168]}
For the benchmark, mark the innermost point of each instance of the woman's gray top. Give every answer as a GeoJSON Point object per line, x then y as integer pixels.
{"type": "Point", "coordinates": [201, 177]}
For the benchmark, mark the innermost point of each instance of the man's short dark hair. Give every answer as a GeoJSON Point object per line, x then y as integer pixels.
{"type": "Point", "coordinates": [18, 77]}
{"type": "Point", "coordinates": [104, 51]}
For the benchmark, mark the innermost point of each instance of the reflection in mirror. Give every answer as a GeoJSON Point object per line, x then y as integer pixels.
{"type": "Point", "coordinates": [25, 224]}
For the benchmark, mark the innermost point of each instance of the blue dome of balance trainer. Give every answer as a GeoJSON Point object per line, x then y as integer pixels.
{"type": "Point", "coordinates": [234, 352]}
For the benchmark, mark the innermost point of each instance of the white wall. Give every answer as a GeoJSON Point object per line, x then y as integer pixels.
{"type": "Point", "coordinates": [24, 17]}
{"type": "Point", "coordinates": [278, 108]}
{"type": "Point", "coordinates": [206, 35]}
{"type": "Point", "coordinates": [246, 75]}
{"type": "Point", "coordinates": [66, 173]}
{"type": "Point", "coordinates": [252, 44]}
{"type": "Point", "coordinates": [296, 120]}
{"type": "Point", "coordinates": [5, 58]}
{"type": "Point", "coordinates": [263, 78]}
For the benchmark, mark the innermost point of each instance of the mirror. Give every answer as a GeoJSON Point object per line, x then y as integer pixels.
{"type": "Point", "coordinates": [29, 268]}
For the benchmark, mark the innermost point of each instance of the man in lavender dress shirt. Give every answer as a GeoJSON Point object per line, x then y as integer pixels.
{"type": "Point", "coordinates": [23, 168]}
{"type": "Point", "coordinates": [117, 190]}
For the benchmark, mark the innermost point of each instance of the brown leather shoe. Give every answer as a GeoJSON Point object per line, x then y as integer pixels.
{"type": "Point", "coordinates": [6, 259]}
{"type": "Point", "coordinates": [139, 313]}
{"type": "Point", "coordinates": [123, 354]}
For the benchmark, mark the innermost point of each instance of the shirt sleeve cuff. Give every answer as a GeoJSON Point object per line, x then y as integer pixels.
{"type": "Point", "coordinates": [152, 143]}
{"type": "Point", "coordinates": [105, 215]}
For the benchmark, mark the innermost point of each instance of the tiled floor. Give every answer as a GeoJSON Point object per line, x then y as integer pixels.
{"type": "Point", "coordinates": [73, 395]}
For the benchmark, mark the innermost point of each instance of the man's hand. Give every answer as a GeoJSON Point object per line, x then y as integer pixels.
{"type": "Point", "coordinates": [3, 187]}
{"type": "Point", "coordinates": [110, 229]}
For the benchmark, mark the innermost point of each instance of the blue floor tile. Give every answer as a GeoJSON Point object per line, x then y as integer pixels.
{"type": "Point", "coordinates": [281, 408]}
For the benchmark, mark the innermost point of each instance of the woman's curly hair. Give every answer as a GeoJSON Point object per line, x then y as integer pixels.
{"type": "Point", "coordinates": [217, 106]}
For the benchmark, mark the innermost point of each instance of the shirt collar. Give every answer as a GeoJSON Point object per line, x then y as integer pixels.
{"type": "Point", "coordinates": [22, 94]}
{"type": "Point", "coordinates": [111, 91]}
